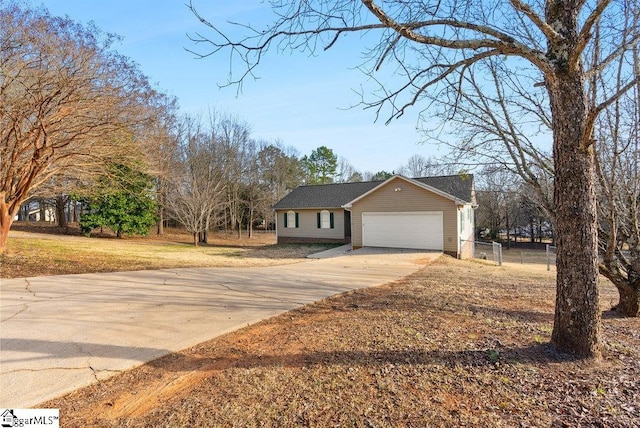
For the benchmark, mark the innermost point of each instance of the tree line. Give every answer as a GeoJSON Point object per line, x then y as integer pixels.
{"type": "Point", "coordinates": [82, 127]}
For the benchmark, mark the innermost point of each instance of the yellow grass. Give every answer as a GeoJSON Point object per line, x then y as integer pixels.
{"type": "Point", "coordinates": [35, 254]}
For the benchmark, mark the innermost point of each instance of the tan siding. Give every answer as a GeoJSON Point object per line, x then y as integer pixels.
{"type": "Point", "coordinates": [410, 198]}
{"type": "Point", "coordinates": [308, 225]}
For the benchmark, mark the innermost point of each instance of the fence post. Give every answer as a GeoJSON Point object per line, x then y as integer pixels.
{"type": "Point", "coordinates": [548, 258]}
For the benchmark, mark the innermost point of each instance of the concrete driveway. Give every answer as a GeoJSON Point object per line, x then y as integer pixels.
{"type": "Point", "coordinates": [59, 333]}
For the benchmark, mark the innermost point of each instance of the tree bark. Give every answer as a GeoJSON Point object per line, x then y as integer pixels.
{"type": "Point", "coordinates": [628, 289]}
{"type": "Point", "coordinates": [576, 327]}
{"type": "Point", "coordinates": [7, 213]}
{"type": "Point", "coordinates": [23, 213]}
{"type": "Point", "coordinates": [61, 215]}
{"type": "Point", "coordinates": [43, 210]}
{"type": "Point", "coordinates": [629, 303]}
{"type": "Point", "coordinates": [250, 223]}
{"type": "Point", "coordinates": [577, 317]}
{"type": "Point", "coordinates": [160, 229]}
{"type": "Point", "coordinates": [5, 225]}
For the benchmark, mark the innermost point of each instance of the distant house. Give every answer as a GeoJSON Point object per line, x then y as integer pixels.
{"type": "Point", "coordinates": [32, 210]}
{"type": "Point", "coordinates": [431, 213]}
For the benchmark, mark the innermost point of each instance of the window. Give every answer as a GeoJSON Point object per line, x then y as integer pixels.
{"type": "Point", "coordinates": [325, 220]}
{"type": "Point", "coordinates": [291, 219]}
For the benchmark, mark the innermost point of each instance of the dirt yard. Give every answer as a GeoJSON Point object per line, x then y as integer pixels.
{"type": "Point", "coordinates": [460, 343]}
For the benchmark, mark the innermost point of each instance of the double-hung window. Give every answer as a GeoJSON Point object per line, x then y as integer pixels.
{"type": "Point", "coordinates": [291, 220]}
{"type": "Point", "coordinates": [325, 220]}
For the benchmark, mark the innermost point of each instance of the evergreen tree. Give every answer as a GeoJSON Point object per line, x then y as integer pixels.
{"type": "Point", "coordinates": [122, 202]}
{"type": "Point", "coordinates": [321, 166]}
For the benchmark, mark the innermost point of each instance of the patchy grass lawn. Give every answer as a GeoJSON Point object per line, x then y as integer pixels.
{"type": "Point", "coordinates": [34, 249]}
{"type": "Point", "coordinates": [460, 343]}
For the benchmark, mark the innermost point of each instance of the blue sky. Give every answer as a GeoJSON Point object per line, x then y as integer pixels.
{"type": "Point", "coordinates": [300, 100]}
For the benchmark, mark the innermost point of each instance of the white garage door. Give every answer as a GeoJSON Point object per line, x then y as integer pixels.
{"type": "Point", "coordinates": [421, 230]}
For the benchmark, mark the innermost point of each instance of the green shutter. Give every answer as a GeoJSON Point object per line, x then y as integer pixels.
{"type": "Point", "coordinates": [319, 221]}
{"type": "Point", "coordinates": [297, 221]}
{"type": "Point", "coordinates": [331, 220]}
{"type": "Point", "coordinates": [285, 218]}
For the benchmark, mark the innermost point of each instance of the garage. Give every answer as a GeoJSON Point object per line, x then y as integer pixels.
{"type": "Point", "coordinates": [418, 230]}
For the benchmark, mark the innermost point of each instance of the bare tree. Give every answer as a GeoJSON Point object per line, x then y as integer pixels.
{"type": "Point", "coordinates": [241, 152]}
{"type": "Point", "coordinates": [427, 43]}
{"type": "Point", "coordinates": [161, 152]}
{"type": "Point", "coordinates": [618, 170]}
{"type": "Point", "coordinates": [419, 166]}
{"type": "Point", "coordinates": [502, 120]}
{"type": "Point", "coordinates": [344, 171]}
{"type": "Point", "coordinates": [416, 167]}
{"type": "Point", "coordinates": [496, 189]}
{"type": "Point", "coordinates": [70, 105]}
{"type": "Point", "coordinates": [208, 169]}
{"type": "Point", "coordinates": [502, 127]}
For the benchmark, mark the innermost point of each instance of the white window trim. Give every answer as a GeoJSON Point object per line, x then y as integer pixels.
{"type": "Point", "coordinates": [325, 219]}
{"type": "Point", "coordinates": [291, 219]}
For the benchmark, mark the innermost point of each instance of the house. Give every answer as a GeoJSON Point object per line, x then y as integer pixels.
{"type": "Point", "coordinates": [432, 213]}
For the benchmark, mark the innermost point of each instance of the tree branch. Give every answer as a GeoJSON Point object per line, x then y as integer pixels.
{"type": "Point", "coordinates": [585, 33]}
{"type": "Point", "coordinates": [546, 29]}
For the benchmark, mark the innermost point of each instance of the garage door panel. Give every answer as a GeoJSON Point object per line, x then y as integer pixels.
{"type": "Point", "coordinates": [420, 230]}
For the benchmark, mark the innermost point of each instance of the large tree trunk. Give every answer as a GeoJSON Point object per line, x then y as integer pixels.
{"type": "Point", "coordinates": [577, 315]}
{"type": "Point", "coordinates": [5, 225]}
{"type": "Point", "coordinates": [160, 229]}
{"type": "Point", "coordinates": [576, 327]}
{"type": "Point", "coordinates": [7, 213]}
{"type": "Point", "coordinates": [61, 215]}
{"type": "Point", "coordinates": [43, 210]}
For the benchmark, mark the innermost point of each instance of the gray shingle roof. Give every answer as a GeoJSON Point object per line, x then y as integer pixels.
{"type": "Point", "coordinates": [325, 196]}
{"type": "Point", "coordinates": [460, 185]}
{"type": "Point", "coordinates": [337, 195]}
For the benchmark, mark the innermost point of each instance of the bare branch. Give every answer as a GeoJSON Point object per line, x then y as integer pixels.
{"type": "Point", "coordinates": [585, 33]}
{"type": "Point", "coordinates": [499, 41]}
{"type": "Point", "coordinates": [546, 29]}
